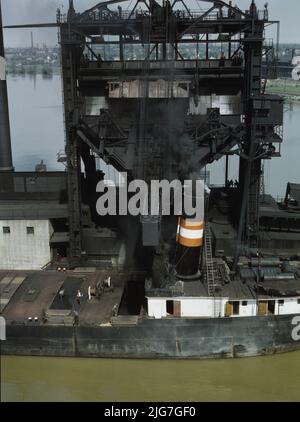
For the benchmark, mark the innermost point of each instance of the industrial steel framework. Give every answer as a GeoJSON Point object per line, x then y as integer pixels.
{"type": "Point", "coordinates": [119, 66]}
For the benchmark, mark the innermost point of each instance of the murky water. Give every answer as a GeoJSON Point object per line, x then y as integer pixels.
{"type": "Point", "coordinates": [269, 378]}
{"type": "Point", "coordinates": [36, 117]}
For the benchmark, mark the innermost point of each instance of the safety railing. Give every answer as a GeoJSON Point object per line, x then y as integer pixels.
{"type": "Point", "coordinates": [160, 65]}
{"type": "Point", "coordinates": [191, 15]}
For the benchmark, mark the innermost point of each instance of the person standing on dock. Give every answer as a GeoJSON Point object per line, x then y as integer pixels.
{"type": "Point", "coordinates": [79, 297]}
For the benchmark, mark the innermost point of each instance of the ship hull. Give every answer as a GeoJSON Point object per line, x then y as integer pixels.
{"type": "Point", "coordinates": [182, 338]}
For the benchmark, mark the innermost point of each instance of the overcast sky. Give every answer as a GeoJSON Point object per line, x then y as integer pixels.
{"type": "Point", "coordinates": [36, 11]}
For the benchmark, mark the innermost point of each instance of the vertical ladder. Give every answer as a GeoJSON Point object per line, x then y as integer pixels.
{"type": "Point", "coordinates": [211, 273]}
{"type": "Point", "coordinates": [209, 263]}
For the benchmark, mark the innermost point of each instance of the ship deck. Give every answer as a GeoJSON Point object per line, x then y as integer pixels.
{"type": "Point", "coordinates": [34, 297]}
{"type": "Point", "coordinates": [26, 296]}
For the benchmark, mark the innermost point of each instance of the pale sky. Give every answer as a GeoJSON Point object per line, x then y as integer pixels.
{"type": "Point", "coordinates": [36, 11]}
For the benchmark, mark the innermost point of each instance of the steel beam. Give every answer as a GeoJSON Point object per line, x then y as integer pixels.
{"type": "Point", "coordinates": [6, 163]}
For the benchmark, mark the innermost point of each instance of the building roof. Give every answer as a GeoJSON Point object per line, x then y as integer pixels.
{"type": "Point", "coordinates": [32, 210]}
{"type": "Point", "coordinates": [279, 288]}
{"type": "Point", "coordinates": [269, 208]}
{"type": "Point", "coordinates": [236, 289]}
{"type": "Point", "coordinates": [233, 290]}
{"type": "Point", "coordinates": [293, 191]}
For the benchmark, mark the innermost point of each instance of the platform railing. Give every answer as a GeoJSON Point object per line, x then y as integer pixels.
{"type": "Point", "coordinates": [157, 64]}
{"type": "Point", "coordinates": [191, 15]}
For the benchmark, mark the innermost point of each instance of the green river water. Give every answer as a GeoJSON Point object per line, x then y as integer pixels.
{"type": "Point", "coordinates": [268, 378]}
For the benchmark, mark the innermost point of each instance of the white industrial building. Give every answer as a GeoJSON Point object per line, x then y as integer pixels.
{"type": "Point", "coordinates": [25, 244]}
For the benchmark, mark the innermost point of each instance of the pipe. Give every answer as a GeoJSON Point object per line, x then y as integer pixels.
{"type": "Point", "coordinates": [281, 276]}
{"type": "Point", "coordinates": [5, 140]}
{"type": "Point", "coordinates": [265, 262]}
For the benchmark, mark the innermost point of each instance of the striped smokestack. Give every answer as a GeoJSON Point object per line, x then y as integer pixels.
{"type": "Point", "coordinates": [189, 237]}
{"type": "Point", "coordinates": [5, 142]}
{"type": "Point", "coordinates": [189, 243]}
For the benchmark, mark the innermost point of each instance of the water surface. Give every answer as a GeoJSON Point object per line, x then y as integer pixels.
{"type": "Point", "coordinates": [268, 378]}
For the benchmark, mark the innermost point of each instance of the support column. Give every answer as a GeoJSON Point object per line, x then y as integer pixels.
{"type": "Point", "coordinates": [5, 140]}
{"type": "Point", "coordinates": [250, 165]}
{"type": "Point", "coordinates": [70, 53]}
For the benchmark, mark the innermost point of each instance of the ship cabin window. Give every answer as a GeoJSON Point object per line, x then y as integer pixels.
{"type": "Point", "coordinates": [281, 302]}
{"type": "Point", "coordinates": [236, 308]}
{"type": "Point", "coordinates": [170, 307]}
{"type": "Point", "coordinates": [6, 230]}
{"type": "Point", "coordinates": [244, 303]}
{"type": "Point", "coordinates": [30, 230]}
{"type": "Point", "coordinates": [298, 301]}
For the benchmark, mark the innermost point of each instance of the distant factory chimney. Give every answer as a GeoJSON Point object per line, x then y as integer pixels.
{"type": "Point", "coordinates": [41, 167]}
{"type": "Point", "coordinates": [31, 38]}
{"type": "Point", "coordinates": [5, 142]}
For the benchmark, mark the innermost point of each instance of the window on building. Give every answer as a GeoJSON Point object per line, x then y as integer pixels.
{"type": "Point", "coordinates": [281, 302]}
{"type": "Point", "coordinates": [236, 308]}
{"type": "Point", "coordinates": [244, 303]}
{"type": "Point", "coordinates": [30, 230]}
{"type": "Point", "coordinates": [6, 229]}
{"type": "Point", "coordinates": [298, 301]}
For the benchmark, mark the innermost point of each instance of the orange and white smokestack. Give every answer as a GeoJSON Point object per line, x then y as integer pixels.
{"type": "Point", "coordinates": [189, 243]}
{"type": "Point", "coordinates": [189, 236]}
{"type": "Point", "coordinates": [190, 232]}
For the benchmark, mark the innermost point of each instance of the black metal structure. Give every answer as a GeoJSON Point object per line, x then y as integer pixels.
{"type": "Point", "coordinates": [6, 164]}
{"type": "Point", "coordinates": [138, 88]}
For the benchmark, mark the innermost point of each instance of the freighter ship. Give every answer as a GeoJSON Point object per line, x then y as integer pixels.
{"type": "Point", "coordinates": [158, 91]}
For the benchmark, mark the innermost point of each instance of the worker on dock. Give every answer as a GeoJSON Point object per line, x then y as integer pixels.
{"type": "Point", "coordinates": [79, 296]}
